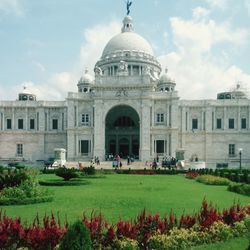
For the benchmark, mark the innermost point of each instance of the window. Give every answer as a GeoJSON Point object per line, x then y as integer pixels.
{"type": "Point", "coordinates": [160, 146]}
{"type": "Point", "coordinates": [84, 147]}
{"type": "Point", "coordinates": [159, 118]}
{"type": "Point", "coordinates": [19, 149]}
{"type": "Point", "coordinates": [231, 149]}
{"type": "Point", "coordinates": [20, 123]}
{"type": "Point", "coordinates": [8, 123]}
{"type": "Point", "coordinates": [135, 70]}
{"type": "Point", "coordinates": [32, 123]}
{"type": "Point", "coordinates": [124, 122]}
{"type": "Point", "coordinates": [243, 123]}
{"type": "Point", "coordinates": [194, 123]}
{"type": "Point", "coordinates": [54, 124]}
{"type": "Point", "coordinates": [85, 119]}
{"type": "Point", "coordinates": [231, 123]}
{"type": "Point", "coordinates": [218, 123]}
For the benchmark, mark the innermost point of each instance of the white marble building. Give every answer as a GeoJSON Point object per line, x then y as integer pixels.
{"type": "Point", "coordinates": [129, 108]}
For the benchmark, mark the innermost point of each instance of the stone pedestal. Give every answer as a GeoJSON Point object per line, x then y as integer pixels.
{"type": "Point", "coordinates": [60, 156]}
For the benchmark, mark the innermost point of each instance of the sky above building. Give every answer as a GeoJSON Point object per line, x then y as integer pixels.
{"type": "Point", "coordinates": [46, 45]}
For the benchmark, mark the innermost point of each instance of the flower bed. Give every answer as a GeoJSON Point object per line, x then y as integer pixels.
{"type": "Point", "coordinates": [146, 231]}
{"type": "Point", "coordinates": [235, 175]}
{"type": "Point", "coordinates": [191, 175]}
{"type": "Point", "coordinates": [213, 180]}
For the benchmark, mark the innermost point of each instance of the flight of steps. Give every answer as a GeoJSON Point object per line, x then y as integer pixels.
{"type": "Point", "coordinates": [108, 165]}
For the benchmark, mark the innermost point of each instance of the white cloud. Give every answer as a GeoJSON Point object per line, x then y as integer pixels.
{"type": "Point", "coordinates": [11, 7]}
{"type": "Point", "coordinates": [247, 4]}
{"type": "Point", "coordinates": [59, 84]}
{"type": "Point", "coordinates": [55, 88]}
{"type": "Point", "coordinates": [199, 74]}
{"type": "Point", "coordinates": [200, 12]}
{"type": "Point", "coordinates": [202, 35]}
{"type": "Point", "coordinates": [95, 40]}
{"type": "Point", "coordinates": [221, 4]}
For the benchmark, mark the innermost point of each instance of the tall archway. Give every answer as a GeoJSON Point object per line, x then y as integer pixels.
{"type": "Point", "coordinates": [122, 131]}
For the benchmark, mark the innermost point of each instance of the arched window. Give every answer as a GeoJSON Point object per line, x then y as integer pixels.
{"type": "Point", "coordinates": [124, 121]}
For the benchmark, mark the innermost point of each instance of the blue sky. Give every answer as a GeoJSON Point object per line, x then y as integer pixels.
{"type": "Point", "coordinates": [47, 44]}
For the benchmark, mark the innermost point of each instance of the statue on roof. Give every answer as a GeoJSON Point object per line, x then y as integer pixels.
{"type": "Point", "coordinates": [129, 3]}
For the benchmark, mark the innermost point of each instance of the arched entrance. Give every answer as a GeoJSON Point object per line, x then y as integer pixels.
{"type": "Point", "coordinates": [122, 132]}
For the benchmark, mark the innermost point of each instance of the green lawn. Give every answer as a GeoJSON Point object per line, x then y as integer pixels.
{"type": "Point", "coordinates": [233, 244]}
{"type": "Point", "coordinates": [126, 195]}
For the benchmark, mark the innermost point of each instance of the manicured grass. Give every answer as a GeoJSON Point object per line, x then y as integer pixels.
{"type": "Point", "coordinates": [233, 244]}
{"type": "Point", "coordinates": [126, 195]}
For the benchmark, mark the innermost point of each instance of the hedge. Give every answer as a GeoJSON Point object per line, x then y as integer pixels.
{"type": "Point", "coordinates": [239, 188]}
{"type": "Point", "coordinates": [16, 201]}
{"type": "Point", "coordinates": [63, 183]}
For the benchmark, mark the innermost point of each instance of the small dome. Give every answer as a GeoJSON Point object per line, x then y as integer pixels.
{"type": "Point", "coordinates": [128, 40]}
{"type": "Point", "coordinates": [165, 78]}
{"type": "Point", "coordinates": [86, 78]}
{"type": "Point", "coordinates": [26, 91]}
{"type": "Point", "coordinates": [26, 95]}
{"type": "Point", "coordinates": [237, 92]}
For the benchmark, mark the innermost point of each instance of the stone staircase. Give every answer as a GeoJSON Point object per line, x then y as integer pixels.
{"type": "Point", "coordinates": [108, 165]}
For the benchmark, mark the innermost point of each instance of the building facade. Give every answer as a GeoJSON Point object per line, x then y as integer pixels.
{"type": "Point", "coordinates": [128, 107]}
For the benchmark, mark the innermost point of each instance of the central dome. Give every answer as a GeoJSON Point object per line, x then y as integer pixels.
{"type": "Point", "coordinates": [128, 40]}
{"type": "Point", "coordinates": [127, 54]}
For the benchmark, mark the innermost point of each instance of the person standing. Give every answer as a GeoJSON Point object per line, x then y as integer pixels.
{"type": "Point", "coordinates": [128, 159]}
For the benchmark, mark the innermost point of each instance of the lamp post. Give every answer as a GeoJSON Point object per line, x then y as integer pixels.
{"type": "Point", "coordinates": [240, 153]}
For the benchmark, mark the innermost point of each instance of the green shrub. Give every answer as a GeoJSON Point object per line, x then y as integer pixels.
{"type": "Point", "coordinates": [77, 238]}
{"type": "Point", "coordinates": [240, 188]}
{"type": "Point", "coordinates": [239, 228]}
{"type": "Point", "coordinates": [187, 238]}
{"type": "Point", "coordinates": [247, 223]}
{"type": "Point", "coordinates": [177, 239]}
{"type": "Point", "coordinates": [66, 173]}
{"type": "Point", "coordinates": [48, 171]}
{"type": "Point", "coordinates": [213, 180]}
{"type": "Point", "coordinates": [219, 232]}
{"type": "Point", "coordinates": [13, 192]}
{"type": "Point", "coordinates": [126, 244]}
{"type": "Point", "coordinates": [28, 192]}
{"type": "Point", "coordinates": [12, 178]}
{"type": "Point", "coordinates": [89, 170]}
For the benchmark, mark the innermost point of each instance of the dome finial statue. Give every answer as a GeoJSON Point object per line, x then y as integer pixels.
{"type": "Point", "coordinates": [129, 3]}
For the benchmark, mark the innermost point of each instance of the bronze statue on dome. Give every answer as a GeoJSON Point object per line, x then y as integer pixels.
{"type": "Point", "coordinates": [129, 3]}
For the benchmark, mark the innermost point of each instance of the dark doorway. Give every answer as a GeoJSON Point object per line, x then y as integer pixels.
{"type": "Point", "coordinates": [122, 131]}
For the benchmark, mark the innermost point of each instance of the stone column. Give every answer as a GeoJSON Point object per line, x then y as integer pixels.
{"type": "Point", "coordinates": [225, 122]}
{"type": "Point", "coordinates": [239, 119]}
{"type": "Point", "coordinates": [26, 127]}
{"type": "Point", "coordinates": [209, 119]}
{"type": "Point", "coordinates": [41, 124]}
{"type": "Point", "coordinates": [70, 144]}
{"type": "Point", "coordinates": [2, 121]}
{"type": "Point", "coordinates": [99, 130]}
{"type": "Point", "coordinates": [13, 119]}
{"type": "Point", "coordinates": [71, 114]}
{"type": "Point", "coordinates": [145, 131]}
{"type": "Point", "coordinates": [248, 125]}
